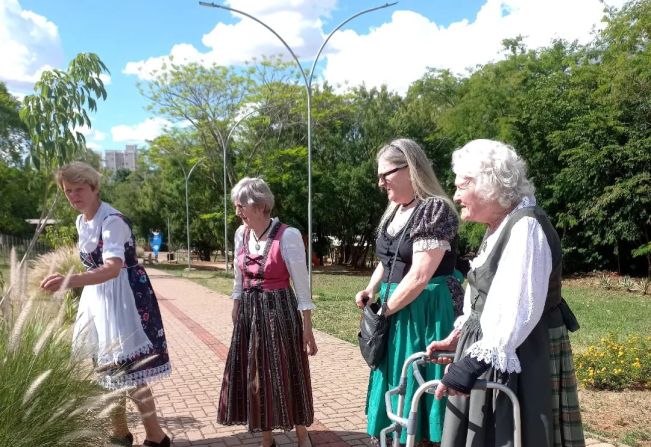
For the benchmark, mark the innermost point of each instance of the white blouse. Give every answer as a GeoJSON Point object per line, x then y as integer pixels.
{"type": "Point", "coordinates": [115, 232]}
{"type": "Point", "coordinates": [517, 296]}
{"type": "Point", "coordinates": [292, 250]}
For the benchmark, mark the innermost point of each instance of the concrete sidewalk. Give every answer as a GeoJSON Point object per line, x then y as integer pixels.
{"type": "Point", "coordinates": [198, 327]}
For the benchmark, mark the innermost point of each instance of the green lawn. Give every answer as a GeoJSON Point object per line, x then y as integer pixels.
{"type": "Point", "coordinates": [599, 311]}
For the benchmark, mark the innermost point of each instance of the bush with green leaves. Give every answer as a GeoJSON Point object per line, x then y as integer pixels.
{"type": "Point", "coordinates": [47, 393]}
{"type": "Point", "coordinates": [616, 365]}
{"type": "Point", "coordinates": [60, 235]}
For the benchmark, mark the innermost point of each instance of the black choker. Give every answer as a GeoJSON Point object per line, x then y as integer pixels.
{"type": "Point", "coordinates": [257, 238]}
{"type": "Point", "coordinates": [405, 205]}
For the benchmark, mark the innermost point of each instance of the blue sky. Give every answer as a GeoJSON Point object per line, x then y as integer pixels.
{"type": "Point", "coordinates": [392, 46]}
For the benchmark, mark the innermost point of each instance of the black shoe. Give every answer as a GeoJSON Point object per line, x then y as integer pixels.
{"type": "Point", "coordinates": [121, 441]}
{"type": "Point", "coordinates": [165, 442]}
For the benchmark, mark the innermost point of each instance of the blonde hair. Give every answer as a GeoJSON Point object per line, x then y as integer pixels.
{"type": "Point", "coordinates": [253, 191]}
{"type": "Point", "coordinates": [78, 172]}
{"type": "Point", "coordinates": [424, 182]}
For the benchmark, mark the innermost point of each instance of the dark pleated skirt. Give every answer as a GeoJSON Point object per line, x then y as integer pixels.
{"type": "Point", "coordinates": [546, 390]}
{"type": "Point", "coordinates": [266, 382]}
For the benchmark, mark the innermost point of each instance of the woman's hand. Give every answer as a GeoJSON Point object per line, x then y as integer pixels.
{"type": "Point", "coordinates": [449, 344]}
{"type": "Point", "coordinates": [308, 342]}
{"type": "Point", "coordinates": [52, 283]}
{"type": "Point", "coordinates": [362, 298]}
{"type": "Point", "coordinates": [235, 311]}
{"type": "Point", "coordinates": [442, 390]}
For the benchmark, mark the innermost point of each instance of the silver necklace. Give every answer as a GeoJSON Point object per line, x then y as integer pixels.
{"type": "Point", "coordinates": [257, 238]}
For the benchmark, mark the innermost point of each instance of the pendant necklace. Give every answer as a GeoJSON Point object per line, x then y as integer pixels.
{"type": "Point", "coordinates": [257, 238]}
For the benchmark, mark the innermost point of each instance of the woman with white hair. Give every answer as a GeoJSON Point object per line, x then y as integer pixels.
{"type": "Point", "coordinates": [266, 383]}
{"type": "Point", "coordinates": [417, 248]}
{"type": "Point", "coordinates": [514, 327]}
{"type": "Point", "coordinates": [118, 320]}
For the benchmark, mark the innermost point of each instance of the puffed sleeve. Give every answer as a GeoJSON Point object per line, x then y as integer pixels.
{"type": "Point", "coordinates": [237, 281]}
{"type": "Point", "coordinates": [516, 298]}
{"type": "Point", "coordinates": [115, 234]}
{"type": "Point", "coordinates": [292, 250]}
{"type": "Point", "coordinates": [435, 225]}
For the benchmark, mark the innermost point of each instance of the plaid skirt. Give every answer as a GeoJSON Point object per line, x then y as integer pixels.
{"type": "Point", "coordinates": [546, 389]}
{"type": "Point", "coordinates": [566, 413]}
{"type": "Point", "coordinates": [266, 383]}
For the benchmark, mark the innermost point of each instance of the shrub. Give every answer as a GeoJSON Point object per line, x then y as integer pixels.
{"type": "Point", "coordinates": [60, 235]}
{"type": "Point", "coordinates": [47, 396]}
{"type": "Point", "coordinates": [615, 365]}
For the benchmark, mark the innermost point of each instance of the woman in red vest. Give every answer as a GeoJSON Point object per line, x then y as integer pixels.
{"type": "Point", "coordinates": [266, 382]}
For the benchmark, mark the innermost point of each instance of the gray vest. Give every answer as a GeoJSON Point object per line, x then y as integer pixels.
{"type": "Point", "coordinates": [481, 278]}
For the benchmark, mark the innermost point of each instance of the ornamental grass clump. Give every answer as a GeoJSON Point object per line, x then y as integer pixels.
{"type": "Point", "coordinates": [64, 259]}
{"type": "Point", "coordinates": [47, 393]}
{"type": "Point", "coordinates": [614, 365]}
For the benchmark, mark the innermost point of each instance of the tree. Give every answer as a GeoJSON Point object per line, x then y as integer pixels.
{"type": "Point", "coordinates": [13, 132]}
{"type": "Point", "coordinates": [59, 107]}
{"type": "Point", "coordinates": [61, 104]}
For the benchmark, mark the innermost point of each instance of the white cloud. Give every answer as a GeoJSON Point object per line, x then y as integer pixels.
{"type": "Point", "coordinates": [147, 130]}
{"type": "Point", "coordinates": [93, 136]}
{"type": "Point", "coordinates": [106, 79]}
{"type": "Point", "coordinates": [297, 21]}
{"type": "Point", "coordinates": [29, 44]}
{"type": "Point", "coordinates": [394, 53]}
{"type": "Point", "coordinates": [398, 52]}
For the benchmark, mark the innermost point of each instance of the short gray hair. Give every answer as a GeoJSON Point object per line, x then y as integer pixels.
{"type": "Point", "coordinates": [253, 191]}
{"type": "Point", "coordinates": [498, 172]}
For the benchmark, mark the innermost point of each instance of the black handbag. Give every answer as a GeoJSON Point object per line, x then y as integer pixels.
{"type": "Point", "coordinates": [373, 335]}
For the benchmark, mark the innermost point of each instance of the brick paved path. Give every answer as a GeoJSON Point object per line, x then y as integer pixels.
{"type": "Point", "coordinates": [198, 327]}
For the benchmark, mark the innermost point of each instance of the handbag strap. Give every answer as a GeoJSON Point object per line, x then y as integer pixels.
{"type": "Point", "coordinates": [395, 255]}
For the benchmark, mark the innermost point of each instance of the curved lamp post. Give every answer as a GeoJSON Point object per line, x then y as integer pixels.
{"type": "Point", "coordinates": [187, 208]}
{"type": "Point", "coordinates": [224, 143]}
{"type": "Point", "coordinates": [308, 88]}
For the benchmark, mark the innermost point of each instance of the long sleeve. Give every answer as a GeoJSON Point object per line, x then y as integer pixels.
{"type": "Point", "coordinates": [461, 319]}
{"type": "Point", "coordinates": [293, 253]}
{"type": "Point", "coordinates": [517, 296]}
{"type": "Point", "coordinates": [237, 280]}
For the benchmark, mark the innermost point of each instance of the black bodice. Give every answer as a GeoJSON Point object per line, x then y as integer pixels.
{"type": "Point", "coordinates": [385, 248]}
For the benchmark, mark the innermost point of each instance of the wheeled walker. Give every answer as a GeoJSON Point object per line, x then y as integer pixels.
{"type": "Point", "coordinates": [399, 422]}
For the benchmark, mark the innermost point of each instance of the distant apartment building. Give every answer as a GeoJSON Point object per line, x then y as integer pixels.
{"type": "Point", "coordinates": [116, 159]}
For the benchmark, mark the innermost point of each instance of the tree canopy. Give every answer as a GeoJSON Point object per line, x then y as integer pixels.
{"type": "Point", "coordinates": [580, 115]}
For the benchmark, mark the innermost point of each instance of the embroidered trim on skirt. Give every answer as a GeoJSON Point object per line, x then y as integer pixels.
{"type": "Point", "coordinates": [266, 382]}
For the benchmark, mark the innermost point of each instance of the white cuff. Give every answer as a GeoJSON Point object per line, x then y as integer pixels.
{"type": "Point", "coordinates": [497, 357]}
{"type": "Point", "coordinates": [306, 306]}
{"type": "Point", "coordinates": [430, 244]}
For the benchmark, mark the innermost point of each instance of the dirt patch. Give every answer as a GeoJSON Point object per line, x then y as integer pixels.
{"type": "Point", "coordinates": [623, 416]}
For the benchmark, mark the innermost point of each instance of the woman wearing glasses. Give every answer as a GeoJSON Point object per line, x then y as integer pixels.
{"type": "Point", "coordinates": [422, 288]}
{"type": "Point", "coordinates": [266, 383]}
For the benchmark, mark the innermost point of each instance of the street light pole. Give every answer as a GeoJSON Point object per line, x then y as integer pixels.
{"type": "Point", "coordinates": [187, 210]}
{"type": "Point", "coordinates": [225, 147]}
{"type": "Point", "coordinates": [308, 88]}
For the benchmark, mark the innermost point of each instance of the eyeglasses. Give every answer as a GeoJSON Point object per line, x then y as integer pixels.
{"type": "Point", "coordinates": [382, 177]}
{"type": "Point", "coordinates": [466, 184]}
